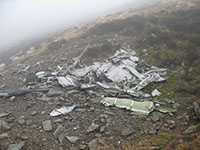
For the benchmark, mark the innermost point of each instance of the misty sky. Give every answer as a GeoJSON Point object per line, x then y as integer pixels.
{"type": "Point", "coordinates": [21, 19]}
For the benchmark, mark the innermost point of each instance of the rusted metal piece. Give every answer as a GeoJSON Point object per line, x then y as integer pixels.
{"type": "Point", "coordinates": [82, 53]}
{"type": "Point", "coordinates": [15, 92]}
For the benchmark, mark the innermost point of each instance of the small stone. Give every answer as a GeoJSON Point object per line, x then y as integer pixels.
{"type": "Point", "coordinates": [171, 123]}
{"type": "Point", "coordinates": [3, 115]}
{"type": "Point", "coordinates": [180, 117]}
{"type": "Point", "coordinates": [63, 59]}
{"type": "Point", "coordinates": [103, 116]}
{"type": "Point", "coordinates": [2, 86]}
{"type": "Point", "coordinates": [187, 117]}
{"type": "Point", "coordinates": [72, 139]}
{"type": "Point", "coordinates": [68, 118]}
{"type": "Point", "coordinates": [169, 101]}
{"type": "Point", "coordinates": [185, 123]}
{"type": "Point", "coordinates": [109, 113]}
{"type": "Point", "coordinates": [82, 147]}
{"type": "Point", "coordinates": [61, 138]}
{"type": "Point", "coordinates": [58, 121]}
{"type": "Point", "coordinates": [47, 126]}
{"type": "Point", "coordinates": [31, 78]}
{"type": "Point", "coordinates": [29, 122]}
{"type": "Point", "coordinates": [4, 126]}
{"type": "Point", "coordinates": [127, 131]}
{"type": "Point", "coordinates": [140, 144]}
{"type": "Point", "coordinates": [144, 50]}
{"type": "Point", "coordinates": [93, 145]}
{"type": "Point", "coordinates": [108, 120]}
{"type": "Point", "coordinates": [92, 108]}
{"type": "Point", "coordinates": [74, 148]}
{"type": "Point", "coordinates": [148, 119]}
{"type": "Point", "coordinates": [12, 98]}
{"type": "Point", "coordinates": [61, 98]}
{"type": "Point", "coordinates": [194, 117]}
{"type": "Point", "coordinates": [146, 131]}
{"type": "Point", "coordinates": [92, 127]}
{"type": "Point", "coordinates": [73, 91]}
{"type": "Point", "coordinates": [166, 125]}
{"type": "Point", "coordinates": [60, 148]}
{"type": "Point", "coordinates": [152, 132]}
{"type": "Point", "coordinates": [3, 136]}
{"type": "Point", "coordinates": [196, 107]}
{"type": "Point", "coordinates": [108, 133]}
{"type": "Point", "coordinates": [98, 135]}
{"type": "Point", "coordinates": [24, 137]}
{"type": "Point", "coordinates": [58, 131]}
{"type": "Point", "coordinates": [102, 141]}
{"type": "Point", "coordinates": [81, 110]}
{"type": "Point", "coordinates": [21, 120]}
{"type": "Point", "coordinates": [180, 141]}
{"type": "Point", "coordinates": [44, 98]}
{"type": "Point", "coordinates": [177, 105]}
{"type": "Point", "coordinates": [103, 120]}
{"type": "Point", "coordinates": [34, 113]}
{"type": "Point", "coordinates": [191, 129]}
{"type": "Point", "coordinates": [102, 129]}
{"type": "Point", "coordinates": [54, 92]}
{"type": "Point", "coordinates": [155, 116]}
{"type": "Point", "coordinates": [43, 112]}
{"type": "Point", "coordinates": [18, 146]}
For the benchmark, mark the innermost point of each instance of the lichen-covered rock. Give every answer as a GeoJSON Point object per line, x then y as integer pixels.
{"type": "Point", "coordinates": [196, 109]}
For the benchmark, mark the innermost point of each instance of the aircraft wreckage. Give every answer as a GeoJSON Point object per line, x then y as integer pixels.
{"type": "Point", "coordinates": [118, 77]}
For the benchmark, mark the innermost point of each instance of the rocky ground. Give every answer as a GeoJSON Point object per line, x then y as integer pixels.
{"type": "Point", "coordinates": [25, 122]}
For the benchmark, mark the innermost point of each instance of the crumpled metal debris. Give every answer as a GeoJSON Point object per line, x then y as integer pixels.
{"type": "Point", "coordinates": [155, 93]}
{"type": "Point", "coordinates": [84, 71]}
{"type": "Point", "coordinates": [118, 74]}
{"type": "Point", "coordinates": [62, 111]}
{"type": "Point", "coordinates": [40, 74]}
{"type": "Point", "coordinates": [66, 81]}
{"type": "Point", "coordinates": [87, 86]}
{"type": "Point", "coordinates": [143, 108]}
{"type": "Point", "coordinates": [121, 73]}
{"type": "Point", "coordinates": [164, 108]}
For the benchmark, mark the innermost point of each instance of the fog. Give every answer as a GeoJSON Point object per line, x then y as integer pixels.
{"type": "Point", "coordinates": [21, 19]}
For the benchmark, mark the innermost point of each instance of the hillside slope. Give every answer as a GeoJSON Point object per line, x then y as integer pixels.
{"type": "Point", "coordinates": [165, 35]}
